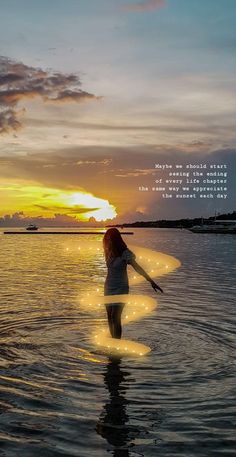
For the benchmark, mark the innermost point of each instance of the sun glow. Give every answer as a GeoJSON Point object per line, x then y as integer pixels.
{"type": "Point", "coordinates": [104, 210]}
{"type": "Point", "coordinates": [38, 201]}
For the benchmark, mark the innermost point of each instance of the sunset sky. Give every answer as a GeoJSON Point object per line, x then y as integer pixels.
{"type": "Point", "coordinates": [94, 93]}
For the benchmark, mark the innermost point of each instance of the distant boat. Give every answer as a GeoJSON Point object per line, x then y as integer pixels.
{"type": "Point", "coordinates": [216, 226]}
{"type": "Point", "coordinates": [32, 227]}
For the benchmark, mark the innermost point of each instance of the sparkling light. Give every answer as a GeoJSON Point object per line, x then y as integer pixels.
{"type": "Point", "coordinates": [141, 303]}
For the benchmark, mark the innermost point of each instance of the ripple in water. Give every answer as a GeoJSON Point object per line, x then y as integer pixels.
{"type": "Point", "coordinates": [59, 397]}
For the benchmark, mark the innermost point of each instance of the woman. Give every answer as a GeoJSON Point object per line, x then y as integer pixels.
{"type": "Point", "coordinates": [117, 256]}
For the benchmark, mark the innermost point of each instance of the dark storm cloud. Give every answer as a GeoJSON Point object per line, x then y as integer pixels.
{"type": "Point", "coordinates": [21, 82]}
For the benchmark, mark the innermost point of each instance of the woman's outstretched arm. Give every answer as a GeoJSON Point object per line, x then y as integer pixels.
{"type": "Point", "coordinates": [143, 273]}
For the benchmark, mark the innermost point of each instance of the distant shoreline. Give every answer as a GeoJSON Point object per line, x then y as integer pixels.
{"type": "Point", "coordinates": [175, 223]}
{"type": "Point", "coordinates": [162, 223]}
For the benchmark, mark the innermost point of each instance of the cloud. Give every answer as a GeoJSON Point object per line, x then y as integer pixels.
{"type": "Point", "coordinates": [134, 173]}
{"type": "Point", "coordinates": [94, 162]}
{"type": "Point", "coordinates": [70, 210]}
{"type": "Point", "coordinates": [19, 82]}
{"type": "Point", "coordinates": [8, 120]}
{"type": "Point", "coordinates": [72, 96]}
{"type": "Point", "coordinates": [145, 5]}
{"type": "Point", "coordinates": [20, 219]}
{"type": "Point", "coordinates": [116, 172]}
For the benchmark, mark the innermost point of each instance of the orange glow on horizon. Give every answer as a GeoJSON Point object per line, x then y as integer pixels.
{"type": "Point", "coordinates": [39, 201]}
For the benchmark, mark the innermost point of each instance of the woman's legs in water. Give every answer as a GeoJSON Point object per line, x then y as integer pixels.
{"type": "Point", "coordinates": [114, 319]}
{"type": "Point", "coordinates": [109, 317]}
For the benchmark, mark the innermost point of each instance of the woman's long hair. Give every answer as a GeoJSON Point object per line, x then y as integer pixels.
{"type": "Point", "coordinates": [113, 244]}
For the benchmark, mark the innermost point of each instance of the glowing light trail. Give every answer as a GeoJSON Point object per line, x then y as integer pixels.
{"type": "Point", "coordinates": [156, 264]}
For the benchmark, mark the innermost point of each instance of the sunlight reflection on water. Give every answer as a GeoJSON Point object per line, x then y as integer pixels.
{"type": "Point", "coordinates": [59, 397]}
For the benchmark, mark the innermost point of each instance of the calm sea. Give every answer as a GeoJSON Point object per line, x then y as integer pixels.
{"type": "Point", "coordinates": [59, 398]}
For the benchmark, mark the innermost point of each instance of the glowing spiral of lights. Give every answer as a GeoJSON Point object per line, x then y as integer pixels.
{"type": "Point", "coordinates": [156, 264]}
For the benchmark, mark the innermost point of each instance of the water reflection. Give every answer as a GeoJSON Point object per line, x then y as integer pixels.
{"type": "Point", "coordinates": [112, 423]}
{"type": "Point", "coordinates": [177, 401]}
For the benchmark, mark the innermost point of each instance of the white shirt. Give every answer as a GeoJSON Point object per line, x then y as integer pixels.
{"type": "Point", "coordinates": [117, 278]}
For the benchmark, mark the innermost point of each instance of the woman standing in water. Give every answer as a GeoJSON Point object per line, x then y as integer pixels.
{"type": "Point", "coordinates": [117, 256]}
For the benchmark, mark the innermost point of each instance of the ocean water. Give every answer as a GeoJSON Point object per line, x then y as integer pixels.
{"type": "Point", "coordinates": [58, 397]}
